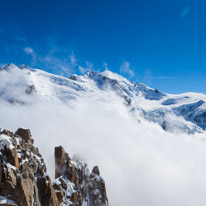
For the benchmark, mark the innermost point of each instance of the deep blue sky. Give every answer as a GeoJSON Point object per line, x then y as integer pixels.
{"type": "Point", "coordinates": [161, 43]}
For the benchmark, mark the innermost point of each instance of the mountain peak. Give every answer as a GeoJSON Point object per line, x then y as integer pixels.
{"type": "Point", "coordinates": [108, 74]}
{"type": "Point", "coordinates": [9, 66]}
{"type": "Point", "coordinates": [12, 66]}
{"type": "Point", "coordinates": [112, 75]}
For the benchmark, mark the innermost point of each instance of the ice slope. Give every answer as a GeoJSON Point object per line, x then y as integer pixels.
{"type": "Point", "coordinates": [182, 113]}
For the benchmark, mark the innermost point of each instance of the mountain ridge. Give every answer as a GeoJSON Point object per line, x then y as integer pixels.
{"type": "Point", "coordinates": [185, 112]}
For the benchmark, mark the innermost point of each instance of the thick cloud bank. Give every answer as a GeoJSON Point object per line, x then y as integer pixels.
{"type": "Point", "coordinates": [141, 163]}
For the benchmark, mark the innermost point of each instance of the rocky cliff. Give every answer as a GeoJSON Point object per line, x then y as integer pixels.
{"type": "Point", "coordinates": [24, 180]}
{"type": "Point", "coordinates": [74, 180]}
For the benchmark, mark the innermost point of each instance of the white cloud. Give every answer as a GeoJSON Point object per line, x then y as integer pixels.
{"type": "Point", "coordinates": [185, 11]}
{"type": "Point", "coordinates": [142, 162]}
{"type": "Point", "coordinates": [28, 50]}
{"type": "Point", "coordinates": [126, 69]}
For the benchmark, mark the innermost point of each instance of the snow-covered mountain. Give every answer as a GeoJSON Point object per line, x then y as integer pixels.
{"type": "Point", "coordinates": [121, 126]}
{"type": "Point", "coordinates": [182, 113]}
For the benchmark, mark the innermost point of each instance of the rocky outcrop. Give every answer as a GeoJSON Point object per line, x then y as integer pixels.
{"type": "Point", "coordinates": [23, 172]}
{"type": "Point", "coordinates": [24, 180]}
{"type": "Point", "coordinates": [74, 182]}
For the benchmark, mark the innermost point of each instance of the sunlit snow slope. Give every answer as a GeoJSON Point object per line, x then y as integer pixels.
{"type": "Point", "coordinates": [183, 113]}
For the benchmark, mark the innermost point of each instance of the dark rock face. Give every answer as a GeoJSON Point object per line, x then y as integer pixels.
{"type": "Point", "coordinates": [25, 182]}
{"type": "Point", "coordinates": [75, 180]}
{"type": "Point", "coordinates": [31, 89]}
{"type": "Point", "coordinates": [97, 184]}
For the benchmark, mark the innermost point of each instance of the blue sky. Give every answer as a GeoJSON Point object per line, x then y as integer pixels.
{"type": "Point", "coordinates": [161, 43]}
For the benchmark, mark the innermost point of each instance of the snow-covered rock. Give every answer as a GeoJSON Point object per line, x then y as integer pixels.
{"type": "Point", "coordinates": [24, 180]}
{"type": "Point", "coordinates": [23, 177]}
{"type": "Point", "coordinates": [75, 185]}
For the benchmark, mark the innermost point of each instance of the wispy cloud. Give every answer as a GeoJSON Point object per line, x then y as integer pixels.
{"type": "Point", "coordinates": [162, 77]}
{"type": "Point", "coordinates": [30, 51]}
{"type": "Point", "coordinates": [19, 38]}
{"type": "Point", "coordinates": [72, 60]}
{"type": "Point", "coordinates": [185, 11]}
{"type": "Point", "coordinates": [125, 68]}
{"type": "Point", "coordinates": [105, 66]}
{"type": "Point", "coordinates": [68, 64]}
{"type": "Point", "coordinates": [63, 65]}
{"type": "Point", "coordinates": [88, 67]}
{"type": "Point", "coordinates": [13, 35]}
{"type": "Point", "coordinates": [148, 77]}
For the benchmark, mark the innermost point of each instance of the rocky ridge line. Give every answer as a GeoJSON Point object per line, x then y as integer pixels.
{"type": "Point", "coordinates": [24, 180]}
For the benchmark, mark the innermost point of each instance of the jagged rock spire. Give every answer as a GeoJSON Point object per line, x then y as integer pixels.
{"type": "Point", "coordinates": [83, 188]}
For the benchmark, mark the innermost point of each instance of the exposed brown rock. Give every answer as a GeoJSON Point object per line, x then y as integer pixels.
{"type": "Point", "coordinates": [24, 133]}
{"type": "Point", "coordinates": [12, 156]}
{"type": "Point", "coordinates": [97, 184]}
{"type": "Point", "coordinates": [96, 170]}
{"type": "Point", "coordinates": [85, 187]}
{"type": "Point", "coordinates": [59, 192]}
{"type": "Point", "coordinates": [1, 173]}
{"type": "Point", "coordinates": [46, 191]}
{"type": "Point", "coordinates": [12, 186]}
{"type": "Point", "coordinates": [59, 154]}
{"type": "Point", "coordinates": [25, 182]}
{"type": "Point", "coordinates": [21, 195]}
{"type": "Point", "coordinates": [23, 177]}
